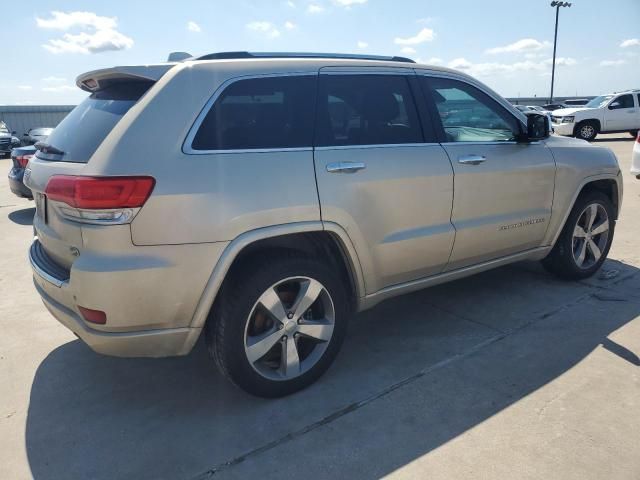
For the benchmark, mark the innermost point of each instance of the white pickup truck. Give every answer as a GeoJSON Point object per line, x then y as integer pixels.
{"type": "Point", "coordinates": [611, 113]}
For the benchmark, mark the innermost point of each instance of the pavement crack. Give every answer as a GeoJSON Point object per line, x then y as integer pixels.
{"type": "Point", "coordinates": [348, 409]}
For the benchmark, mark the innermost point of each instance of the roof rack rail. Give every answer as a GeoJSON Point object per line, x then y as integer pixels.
{"type": "Point", "coordinates": [239, 55]}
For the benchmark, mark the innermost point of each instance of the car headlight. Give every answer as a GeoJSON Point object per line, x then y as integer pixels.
{"type": "Point", "coordinates": [568, 119]}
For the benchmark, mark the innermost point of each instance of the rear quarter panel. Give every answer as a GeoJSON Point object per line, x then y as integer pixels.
{"type": "Point", "coordinates": [204, 198]}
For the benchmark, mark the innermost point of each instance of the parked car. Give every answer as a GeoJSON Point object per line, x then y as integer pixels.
{"type": "Point", "coordinates": [36, 135]}
{"type": "Point", "coordinates": [20, 157]}
{"type": "Point", "coordinates": [575, 102]}
{"type": "Point", "coordinates": [611, 113]}
{"type": "Point", "coordinates": [6, 139]}
{"type": "Point", "coordinates": [532, 109]}
{"type": "Point", "coordinates": [318, 185]}
{"type": "Point", "coordinates": [550, 107]}
{"type": "Point", "coordinates": [635, 157]}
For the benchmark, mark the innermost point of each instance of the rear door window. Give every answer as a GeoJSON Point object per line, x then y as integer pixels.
{"type": "Point", "coordinates": [260, 113]}
{"type": "Point", "coordinates": [366, 110]}
{"type": "Point", "coordinates": [81, 132]}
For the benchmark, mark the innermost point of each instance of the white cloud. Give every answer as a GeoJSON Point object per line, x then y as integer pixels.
{"type": "Point", "coordinates": [362, 45]}
{"type": "Point", "coordinates": [349, 3]}
{"type": "Point", "coordinates": [314, 8]}
{"type": "Point", "coordinates": [266, 28]}
{"type": "Point", "coordinates": [25, 87]}
{"type": "Point", "coordinates": [520, 46]}
{"type": "Point", "coordinates": [290, 25]}
{"type": "Point", "coordinates": [435, 61]}
{"type": "Point", "coordinates": [193, 26]}
{"type": "Point", "coordinates": [291, 4]}
{"type": "Point", "coordinates": [408, 50]}
{"type": "Point", "coordinates": [494, 68]}
{"type": "Point", "coordinates": [612, 63]}
{"type": "Point", "coordinates": [424, 35]}
{"type": "Point", "coordinates": [66, 21]}
{"type": "Point", "coordinates": [98, 34]}
{"type": "Point", "coordinates": [632, 42]}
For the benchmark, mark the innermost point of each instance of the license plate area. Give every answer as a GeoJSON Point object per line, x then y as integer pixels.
{"type": "Point", "coordinates": [41, 206]}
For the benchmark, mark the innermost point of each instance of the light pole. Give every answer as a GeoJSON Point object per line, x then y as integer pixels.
{"type": "Point", "coordinates": [557, 6]}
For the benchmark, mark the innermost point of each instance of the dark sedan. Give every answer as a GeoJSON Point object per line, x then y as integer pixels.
{"type": "Point", "coordinates": [36, 135]}
{"type": "Point", "coordinates": [20, 157]}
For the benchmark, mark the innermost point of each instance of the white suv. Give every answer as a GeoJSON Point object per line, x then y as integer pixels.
{"type": "Point", "coordinates": [611, 113]}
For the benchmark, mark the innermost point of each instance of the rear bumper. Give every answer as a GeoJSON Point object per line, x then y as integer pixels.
{"type": "Point", "coordinates": [16, 185]}
{"type": "Point", "coordinates": [635, 160]}
{"type": "Point", "coordinates": [55, 287]}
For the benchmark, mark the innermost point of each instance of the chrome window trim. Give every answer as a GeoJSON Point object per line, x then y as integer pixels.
{"type": "Point", "coordinates": [372, 146]}
{"type": "Point", "coordinates": [187, 145]}
{"type": "Point", "coordinates": [364, 70]}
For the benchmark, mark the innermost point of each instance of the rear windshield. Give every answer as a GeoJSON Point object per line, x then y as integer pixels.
{"type": "Point", "coordinates": [81, 132]}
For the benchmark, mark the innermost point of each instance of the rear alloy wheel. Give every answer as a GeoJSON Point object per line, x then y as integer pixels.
{"type": "Point", "coordinates": [278, 325]}
{"type": "Point", "coordinates": [584, 242]}
{"type": "Point", "coordinates": [586, 131]}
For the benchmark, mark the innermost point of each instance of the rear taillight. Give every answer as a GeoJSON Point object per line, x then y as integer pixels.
{"type": "Point", "coordinates": [99, 193]}
{"type": "Point", "coordinates": [23, 160]}
{"type": "Point", "coordinates": [93, 316]}
{"type": "Point", "coordinates": [99, 199]}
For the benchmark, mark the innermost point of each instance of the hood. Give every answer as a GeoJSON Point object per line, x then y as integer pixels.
{"type": "Point", "coordinates": [563, 112]}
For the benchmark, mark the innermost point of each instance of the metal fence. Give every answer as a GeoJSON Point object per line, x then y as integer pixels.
{"type": "Point", "coordinates": [21, 118]}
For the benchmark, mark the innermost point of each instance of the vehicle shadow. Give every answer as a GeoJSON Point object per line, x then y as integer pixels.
{"type": "Point", "coordinates": [92, 416]}
{"type": "Point", "coordinates": [23, 216]}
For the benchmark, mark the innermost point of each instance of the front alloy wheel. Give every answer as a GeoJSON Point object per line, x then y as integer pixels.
{"type": "Point", "coordinates": [590, 236]}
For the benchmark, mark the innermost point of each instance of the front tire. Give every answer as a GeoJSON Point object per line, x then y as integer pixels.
{"type": "Point", "coordinates": [587, 130]}
{"type": "Point", "coordinates": [278, 324]}
{"type": "Point", "coordinates": [585, 240]}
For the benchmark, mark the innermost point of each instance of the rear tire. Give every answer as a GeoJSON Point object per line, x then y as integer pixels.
{"type": "Point", "coordinates": [276, 351]}
{"type": "Point", "coordinates": [584, 242]}
{"type": "Point", "coordinates": [587, 130]}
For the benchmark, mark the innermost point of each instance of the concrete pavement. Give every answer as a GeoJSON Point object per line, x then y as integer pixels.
{"type": "Point", "coordinates": [508, 374]}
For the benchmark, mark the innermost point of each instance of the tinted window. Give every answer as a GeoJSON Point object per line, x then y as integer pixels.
{"type": "Point", "coordinates": [625, 101]}
{"type": "Point", "coordinates": [366, 110]}
{"type": "Point", "coordinates": [272, 112]}
{"type": "Point", "coordinates": [84, 129]}
{"type": "Point", "coordinates": [469, 115]}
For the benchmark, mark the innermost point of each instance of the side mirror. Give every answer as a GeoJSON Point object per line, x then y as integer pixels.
{"type": "Point", "coordinates": [614, 105]}
{"type": "Point", "coordinates": [537, 127]}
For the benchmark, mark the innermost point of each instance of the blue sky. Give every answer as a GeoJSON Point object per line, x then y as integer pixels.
{"type": "Point", "coordinates": [506, 44]}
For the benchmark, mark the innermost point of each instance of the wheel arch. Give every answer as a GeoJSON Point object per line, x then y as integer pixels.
{"type": "Point", "coordinates": [312, 238]}
{"type": "Point", "coordinates": [590, 120]}
{"type": "Point", "coordinates": [607, 184]}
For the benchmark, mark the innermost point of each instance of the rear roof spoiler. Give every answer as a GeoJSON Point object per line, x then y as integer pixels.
{"type": "Point", "coordinates": [99, 79]}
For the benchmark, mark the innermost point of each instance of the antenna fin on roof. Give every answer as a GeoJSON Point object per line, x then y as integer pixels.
{"type": "Point", "coordinates": [178, 56]}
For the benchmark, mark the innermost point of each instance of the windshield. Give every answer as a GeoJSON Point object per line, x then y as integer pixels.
{"type": "Point", "coordinates": [3, 128]}
{"type": "Point", "coordinates": [598, 101]}
{"type": "Point", "coordinates": [82, 131]}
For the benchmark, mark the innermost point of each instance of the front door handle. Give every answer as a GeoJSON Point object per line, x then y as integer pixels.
{"type": "Point", "coordinates": [472, 159]}
{"type": "Point", "coordinates": [345, 167]}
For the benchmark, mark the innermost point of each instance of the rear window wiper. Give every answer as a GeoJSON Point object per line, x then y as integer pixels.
{"type": "Point", "coordinates": [46, 148]}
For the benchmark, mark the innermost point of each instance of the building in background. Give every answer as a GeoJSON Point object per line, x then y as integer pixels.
{"type": "Point", "coordinates": [22, 118]}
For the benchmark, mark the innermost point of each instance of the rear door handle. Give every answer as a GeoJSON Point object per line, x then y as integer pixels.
{"type": "Point", "coordinates": [472, 159]}
{"type": "Point", "coordinates": [345, 167]}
